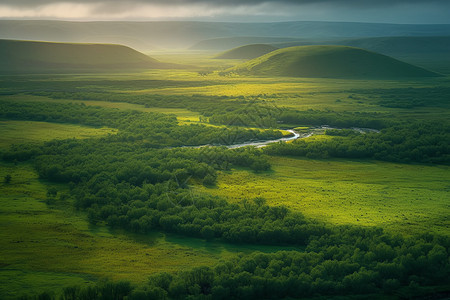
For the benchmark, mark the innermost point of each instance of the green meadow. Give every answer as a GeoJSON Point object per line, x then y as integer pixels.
{"type": "Point", "coordinates": [19, 132]}
{"type": "Point", "coordinates": [402, 198]}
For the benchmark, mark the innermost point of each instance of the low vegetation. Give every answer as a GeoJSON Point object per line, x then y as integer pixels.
{"type": "Point", "coordinates": [412, 142]}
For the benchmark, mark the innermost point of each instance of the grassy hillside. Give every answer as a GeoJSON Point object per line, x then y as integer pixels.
{"type": "Point", "coordinates": [30, 56]}
{"type": "Point", "coordinates": [247, 52]}
{"type": "Point", "coordinates": [387, 45]}
{"type": "Point", "coordinates": [431, 52]}
{"type": "Point", "coordinates": [329, 62]}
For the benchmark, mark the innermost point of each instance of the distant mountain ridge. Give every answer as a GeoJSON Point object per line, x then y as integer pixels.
{"type": "Point", "coordinates": [37, 57]}
{"type": "Point", "coordinates": [330, 62]}
{"type": "Point", "coordinates": [178, 34]}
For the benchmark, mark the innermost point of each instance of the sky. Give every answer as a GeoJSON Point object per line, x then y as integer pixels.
{"type": "Point", "coordinates": [375, 11]}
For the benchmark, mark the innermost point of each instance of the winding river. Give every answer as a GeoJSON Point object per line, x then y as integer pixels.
{"type": "Point", "coordinates": [260, 144]}
{"type": "Point", "coordinates": [295, 135]}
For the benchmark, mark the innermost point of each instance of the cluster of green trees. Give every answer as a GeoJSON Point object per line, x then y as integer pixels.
{"type": "Point", "coordinates": [342, 132]}
{"type": "Point", "coordinates": [336, 119]}
{"type": "Point", "coordinates": [346, 261]}
{"type": "Point", "coordinates": [206, 105]}
{"type": "Point", "coordinates": [235, 111]}
{"type": "Point", "coordinates": [254, 115]}
{"type": "Point", "coordinates": [153, 129]}
{"type": "Point", "coordinates": [104, 290]}
{"type": "Point", "coordinates": [409, 97]}
{"type": "Point", "coordinates": [140, 189]}
{"type": "Point", "coordinates": [425, 142]}
{"type": "Point", "coordinates": [337, 264]}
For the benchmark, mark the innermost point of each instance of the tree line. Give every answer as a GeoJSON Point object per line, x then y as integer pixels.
{"type": "Point", "coordinates": [423, 142]}
{"type": "Point", "coordinates": [347, 261]}
{"type": "Point", "coordinates": [154, 129]}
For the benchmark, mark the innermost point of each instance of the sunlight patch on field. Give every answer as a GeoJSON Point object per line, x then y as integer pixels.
{"type": "Point", "coordinates": [183, 115]}
{"type": "Point", "coordinates": [398, 197]}
{"type": "Point", "coordinates": [19, 132]}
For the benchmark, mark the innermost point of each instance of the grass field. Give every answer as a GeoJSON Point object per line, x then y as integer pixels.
{"type": "Point", "coordinates": [46, 247]}
{"type": "Point", "coordinates": [398, 197]}
{"type": "Point", "coordinates": [19, 132]}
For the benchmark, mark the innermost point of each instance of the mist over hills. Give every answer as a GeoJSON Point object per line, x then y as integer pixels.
{"type": "Point", "coordinates": [221, 44]}
{"type": "Point", "coordinates": [145, 36]}
{"type": "Point", "coordinates": [330, 62]}
{"type": "Point", "coordinates": [247, 52]}
{"type": "Point", "coordinates": [44, 57]}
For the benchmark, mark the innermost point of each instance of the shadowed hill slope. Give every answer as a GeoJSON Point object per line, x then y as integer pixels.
{"type": "Point", "coordinates": [247, 52]}
{"type": "Point", "coordinates": [431, 52]}
{"type": "Point", "coordinates": [387, 45]}
{"type": "Point", "coordinates": [330, 62]}
{"type": "Point", "coordinates": [33, 57]}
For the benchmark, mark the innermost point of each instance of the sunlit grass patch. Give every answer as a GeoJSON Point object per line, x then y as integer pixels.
{"type": "Point", "coordinates": [398, 197]}
{"type": "Point", "coordinates": [18, 132]}
{"type": "Point", "coordinates": [183, 115]}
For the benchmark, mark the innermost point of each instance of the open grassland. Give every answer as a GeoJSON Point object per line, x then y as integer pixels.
{"type": "Point", "coordinates": [47, 247]}
{"type": "Point", "coordinates": [398, 197]}
{"type": "Point", "coordinates": [19, 132]}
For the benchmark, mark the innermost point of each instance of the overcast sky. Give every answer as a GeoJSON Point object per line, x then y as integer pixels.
{"type": "Point", "coordinates": [386, 11]}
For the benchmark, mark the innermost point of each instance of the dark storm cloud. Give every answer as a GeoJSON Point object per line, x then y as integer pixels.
{"type": "Point", "coordinates": [222, 3]}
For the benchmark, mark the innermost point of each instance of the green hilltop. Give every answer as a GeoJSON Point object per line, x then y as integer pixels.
{"type": "Point", "coordinates": [329, 62]}
{"type": "Point", "coordinates": [36, 57]}
{"type": "Point", "coordinates": [247, 51]}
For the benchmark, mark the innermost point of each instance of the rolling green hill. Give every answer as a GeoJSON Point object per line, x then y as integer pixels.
{"type": "Point", "coordinates": [387, 45]}
{"type": "Point", "coordinates": [247, 52]}
{"type": "Point", "coordinates": [37, 57]}
{"type": "Point", "coordinates": [329, 62]}
{"type": "Point", "coordinates": [430, 52]}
